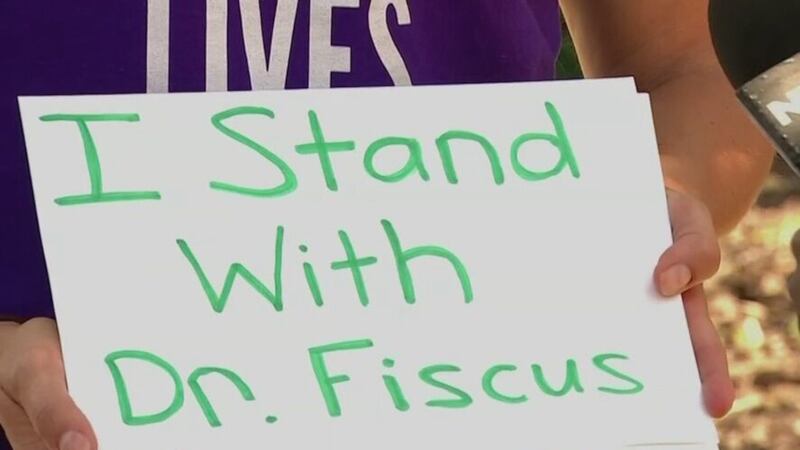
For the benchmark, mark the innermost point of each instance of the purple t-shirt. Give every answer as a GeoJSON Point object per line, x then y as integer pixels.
{"type": "Point", "coordinates": [108, 47]}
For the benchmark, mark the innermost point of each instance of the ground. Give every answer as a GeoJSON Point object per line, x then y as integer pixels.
{"type": "Point", "coordinates": [751, 307]}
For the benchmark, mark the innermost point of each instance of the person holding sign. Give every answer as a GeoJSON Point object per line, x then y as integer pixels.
{"type": "Point", "coordinates": [714, 160]}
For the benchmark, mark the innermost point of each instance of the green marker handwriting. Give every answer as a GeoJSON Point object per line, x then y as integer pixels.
{"type": "Point", "coordinates": [403, 256]}
{"type": "Point", "coordinates": [559, 140]}
{"type": "Point", "coordinates": [438, 386]}
{"type": "Point", "coordinates": [124, 397]}
{"type": "Point", "coordinates": [572, 380]}
{"type": "Point", "coordinates": [459, 399]}
{"type": "Point", "coordinates": [448, 146]}
{"type": "Point", "coordinates": [323, 149]}
{"type": "Point", "coordinates": [327, 381]}
{"type": "Point", "coordinates": [489, 387]}
{"type": "Point", "coordinates": [415, 161]}
{"type": "Point", "coordinates": [97, 194]}
{"type": "Point", "coordinates": [202, 398]}
{"type": "Point", "coordinates": [219, 300]}
{"type": "Point", "coordinates": [352, 263]}
{"type": "Point", "coordinates": [635, 387]}
{"type": "Point", "coordinates": [446, 153]}
{"type": "Point", "coordinates": [289, 183]}
{"type": "Point", "coordinates": [193, 381]}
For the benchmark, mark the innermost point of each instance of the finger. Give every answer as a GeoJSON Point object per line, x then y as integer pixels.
{"type": "Point", "coordinates": [695, 256]}
{"type": "Point", "coordinates": [712, 362]}
{"type": "Point", "coordinates": [37, 383]}
{"type": "Point", "coordinates": [18, 430]}
{"type": "Point", "coordinates": [15, 424]}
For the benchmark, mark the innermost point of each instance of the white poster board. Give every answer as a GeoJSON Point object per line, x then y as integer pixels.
{"type": "Point", "coordinates": [440, 267]}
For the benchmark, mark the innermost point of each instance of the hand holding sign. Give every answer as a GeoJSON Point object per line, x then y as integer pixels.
{"type": "Point", "coordinates": [35, 408]}
{"type": "Point", "coordinates": [387, 290]}
{"type": "Point", "coordinates": [697, 253]}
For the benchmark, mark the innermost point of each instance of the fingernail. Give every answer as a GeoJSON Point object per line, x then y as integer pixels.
{"type": "Point", "coordinates": [674, 280]}
{"type": "Point", "coordinates": [72, 440]}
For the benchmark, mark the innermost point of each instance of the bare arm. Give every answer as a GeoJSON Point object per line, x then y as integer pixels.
{"type": "Point", "coordinates": [709, 147]}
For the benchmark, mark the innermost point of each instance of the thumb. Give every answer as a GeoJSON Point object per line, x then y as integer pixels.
{"type": "Point", "coordinates": [54, 415]}
{"type": "Point", "coordinates": [694, 256]}
{"type": "Point", "coordinates": [37, 383]}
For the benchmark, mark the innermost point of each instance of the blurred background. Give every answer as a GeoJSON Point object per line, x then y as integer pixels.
{"type": "Point", "coordinates": [750, 306]}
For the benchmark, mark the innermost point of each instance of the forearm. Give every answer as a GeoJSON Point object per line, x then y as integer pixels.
{"type": "Point", "coordinates": [709, 147]}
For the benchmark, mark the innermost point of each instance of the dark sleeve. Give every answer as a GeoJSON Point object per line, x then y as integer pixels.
{"type": "Point", "coordinates": [4, 445]}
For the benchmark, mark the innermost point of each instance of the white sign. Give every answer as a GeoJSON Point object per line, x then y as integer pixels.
{"type": "Point", "coordinates": [439, 267]}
